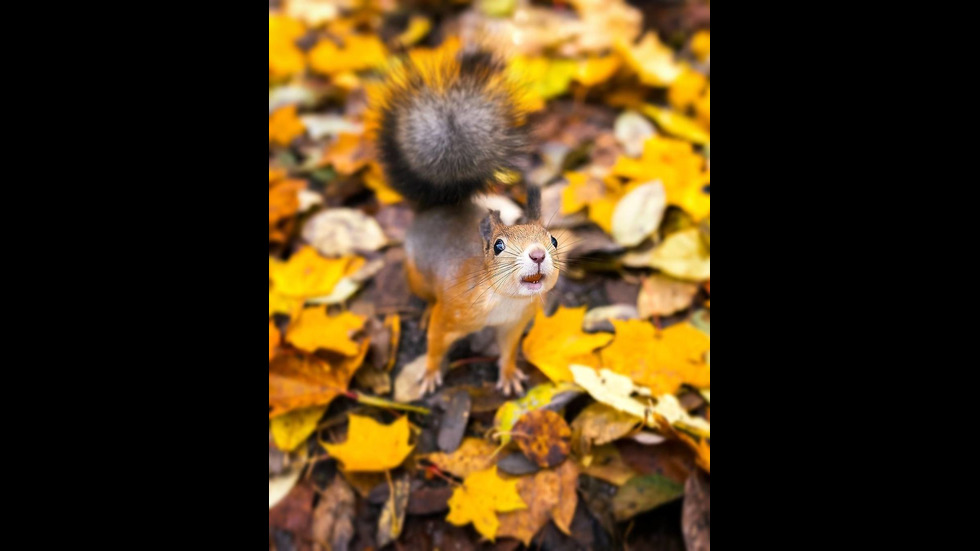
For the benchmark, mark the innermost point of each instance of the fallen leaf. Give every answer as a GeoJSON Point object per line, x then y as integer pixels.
{"type": "Point", "coordinates": [605, 463]}
{"type": "Point", "coordinates": [696, 513]}
{"type": "Point", "coordinates": [686, 89]}
{"type": "Point", "coordinates": [553, 343]}
{"type": "Point", "coordinates": [274, 337]}
{"type": "Point", "coordinates": [681, 255]}
{"type": "Point", "coordinates": [632, 130]}
{"type": "Point", "coordinates": [480, 497]}
{"type": "Point", "coordinates": [658, 360]}
{"type": "Point", "coordinates": [638, 213]}
{"type": "Point", "coordinates": [392, 518]}
{"type": "Point", "coordinates": [285, 59]}
{"type": "Point", "coordinates": [297, 382]}
{"type": "Point", "coordinates": [662, 296]}
{"type": "Point", "coordinates": [582, 190]}
{"type": "Point", "coordinates": [286, 471]}
{"type": "Point", "coordinates": [342, 231]}
{"type": "Point", "coordinates": [347, 154]}
{"type": "Point", "coordinates": [284, 199]}
{"type": "Point", "coordinates": [453, 424]}
{"type": "Point", "coordinates": [652, 61]}
{"type": "Point", "coordinates": [293, 428]}
{"type": "Point", "coordinates": [600, 424]}
{"type": "Point", "coordinates": [313, 12]}
{"type": "Point", "coordinates": [473, 454]}
{"type": "Point", "coordinates": [285, 126]}
{"type": "Point", "coordinates": [595, 70]}
{"type": "Point", "coordinates": [333, 517]}
{"type": "Point", "coordinates": [371, 446]}
{"type": "Point", "coordinates": [548, 494]}
{"type": "Point", "coordinates": [643, 493]}
{"type": "Point", "coordinates": [543, 395]}
{"type": "Point", "coordinates": [314, 330]}
{"type": "Point", "coordinates": [307, 274]}
{"type": "Point", "coordinates": [676, 124]}
{"type": "Point", "coordinates": [358, 52]}
{"type": "Point", "coordinates": [701, 44]}
{"type": "Point", "coordinates": [543, 436]}
{"type": "Point", "coordinates": [612, 389]}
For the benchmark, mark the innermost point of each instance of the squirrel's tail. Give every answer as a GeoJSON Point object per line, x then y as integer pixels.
{"type": "Point", "coordinates": [445, 129]}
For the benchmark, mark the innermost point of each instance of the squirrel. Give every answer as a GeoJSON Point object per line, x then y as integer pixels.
{"type": "Point", "coordinates": [444, 133]}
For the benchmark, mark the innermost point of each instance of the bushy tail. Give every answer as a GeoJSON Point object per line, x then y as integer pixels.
{"type": "Point", "coordinates": [447, 128]}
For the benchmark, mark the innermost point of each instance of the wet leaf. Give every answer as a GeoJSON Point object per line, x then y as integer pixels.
{"type": "Point", "coordinates": [480, 497]}
{"type": "Point", "coordinates": [371, 446]}
{"type": "Point", "coordinates": [543, 436]}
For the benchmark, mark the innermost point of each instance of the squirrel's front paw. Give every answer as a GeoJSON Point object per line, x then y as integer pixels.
{"type": "Point", "coordinates": [511, 382]}
{"type": "Point", "coordinates": [430, 381]}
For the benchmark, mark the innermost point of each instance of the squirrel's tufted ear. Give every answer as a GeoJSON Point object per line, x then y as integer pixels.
{"type": "Point", "coordinates": [489, 222]}
{"type": "Point", "coordinates": [533, 211]}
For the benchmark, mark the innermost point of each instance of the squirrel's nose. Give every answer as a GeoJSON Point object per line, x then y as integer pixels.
{"type": "Point", "coordinates": [536, 255]}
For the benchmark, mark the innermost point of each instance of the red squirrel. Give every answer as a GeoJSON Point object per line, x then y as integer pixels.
{"type": "Point", "coordinates": [445, 132]}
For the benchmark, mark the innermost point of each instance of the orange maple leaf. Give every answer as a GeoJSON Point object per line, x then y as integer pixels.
{"type": "Point", "coordinates": [371, 446]}
{"type": "Point", "coordinates": [661, 361]}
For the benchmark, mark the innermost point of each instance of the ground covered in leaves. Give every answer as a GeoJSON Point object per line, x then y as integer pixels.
{"type": "Point", "coordinates": [609, 447]}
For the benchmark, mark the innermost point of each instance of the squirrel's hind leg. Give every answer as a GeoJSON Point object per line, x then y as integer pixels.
{"type": "Point", "coordinates": [441, 337]}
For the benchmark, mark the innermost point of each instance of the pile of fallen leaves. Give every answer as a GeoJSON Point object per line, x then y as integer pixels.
{"type": "Point", "coordinates": [610, 445]}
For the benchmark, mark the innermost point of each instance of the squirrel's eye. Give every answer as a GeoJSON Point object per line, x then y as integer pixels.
{"type": "Point", "coordinates": [498, 247]}
{"type": "Point", "coordinates": [554, 242]}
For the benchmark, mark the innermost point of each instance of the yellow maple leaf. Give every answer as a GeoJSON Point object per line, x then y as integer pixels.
{"type": "Point", "coordinates": [681, 170]}
{"type": "Point", "coordinates": [701, 44]}
{"type": "Point", "coordinates": [359, 52]}
{"type": "Point", "coordinates": [478, 499]}
{"type": "Point", "coordinates": [284, 305]}
{"type": "Point", "coordinates": [285, 126]}
{"type": "Point", "coordinates": [558, 341]}
{"type": "Point", "coordinates": [686, 89]}
{"type": "Point", "coordinates": [285, 59]}
{"type": "Point", "coordinates": [307, 274]}
{"type": "Point", "coordinates": [371, 446]}
{"type": "Point", "coordinates": [313, 330]}
{"type": "Point", "coordinates": [659, 360]}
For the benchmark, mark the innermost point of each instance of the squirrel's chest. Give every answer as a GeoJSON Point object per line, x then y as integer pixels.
{"type": "Point", "coordinates": [508, 311]}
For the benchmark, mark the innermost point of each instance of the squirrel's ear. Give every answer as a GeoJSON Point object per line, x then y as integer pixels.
{"type": "Point", "coordinates": [533, 211]}
{"type": "Point", "coordinates": [489, 222]}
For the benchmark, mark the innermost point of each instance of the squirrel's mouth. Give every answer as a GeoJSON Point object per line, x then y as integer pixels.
{"type": "Point", "coordinates": [532, 278]}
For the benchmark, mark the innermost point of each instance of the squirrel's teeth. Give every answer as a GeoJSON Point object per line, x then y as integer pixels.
{"type": "Point", "coordinates": [532, 278]}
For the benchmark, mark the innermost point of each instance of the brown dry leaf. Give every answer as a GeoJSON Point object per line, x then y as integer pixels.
{"type": "Point", "coordinates": [285, 126]}
{"type": "Point", "coordinates": [662, 296]}
{"type": "Point", "coordinates": [661, 361]}
{"type": "Point", "coordinates": [307, 274]}
{"type": "Point", "coordinates": [696, 515]}
{"type": "Point", "coordinates": [333, 517]}
{"type": "Point", "coordinates": [548, 494]}
{"type": "Point", "coordinates": [543, 436]}
{"type": "Point", "coordinates": [480, 497]}
{"type": "Point", "coordinates": [474, 454]}
{"type": "Point", "coordinates": [605, 462]}
{"type": "Point", "coordinates": [371, 446]}
{"type": "Point", "coordinates": [600, 424]}
{"type": "Point", "coordinates": [341, 231]}
{"type": "Point", "coordinates": [393, 513]}
{"type": "Point", "coordinates": [554, 343]}
{"type": "Point", "coordinates": [314, 330]}
{"type": "Point", "coordinates": [348, 153]}
{"type": "Point", "coordinates": [284, 199]}
{"type": "Point", "coordinates": [297, 381]}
